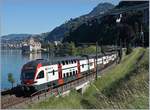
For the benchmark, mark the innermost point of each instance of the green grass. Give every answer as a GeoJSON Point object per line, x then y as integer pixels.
{"type": "Point", "coordinates": [112, 76]}
{"type": "Point", "coordinates": [124, 86]}
{"type": "Point", "coordinates": [116, 89]}
{"type": "Point", "coordinates": [70, 101]}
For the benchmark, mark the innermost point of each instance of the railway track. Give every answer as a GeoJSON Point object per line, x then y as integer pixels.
{"type": "Point", "coordinates": [10, 101]}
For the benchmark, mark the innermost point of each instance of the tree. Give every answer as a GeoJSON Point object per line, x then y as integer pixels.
{"type": "Point", "coordinates": [125, 36]}
{"type": "Point", "coordinates": [71, 49]}
{"type": "Point", "coordinates": [85, 50]}
{"type": "Point", "coordinates": [11, 79]}
{"type": "Point", "coordinates": [51, 48]}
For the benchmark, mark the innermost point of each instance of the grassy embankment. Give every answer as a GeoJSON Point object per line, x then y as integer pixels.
{"type": "Point", "coordinates": [125, 86]}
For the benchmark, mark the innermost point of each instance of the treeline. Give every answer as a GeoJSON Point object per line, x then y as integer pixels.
{"type": "Point", "coordinates": [131, 31]}
{"type": "Point", "coordinates": [69, 49]}
{"type": "Point", "coordinates": [130, 3]}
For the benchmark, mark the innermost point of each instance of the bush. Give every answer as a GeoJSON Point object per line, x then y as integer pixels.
{"type": "Point", "coordinates": [128, 51]}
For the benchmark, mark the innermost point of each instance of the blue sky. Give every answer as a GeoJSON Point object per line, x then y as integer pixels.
{"type": "Point", "coordinates": [38, 16]}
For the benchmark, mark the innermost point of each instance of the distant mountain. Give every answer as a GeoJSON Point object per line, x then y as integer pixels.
{"type": "Point", "coordinates": [21, 37]}
{"type": "Point", "coordinates": [15, 36]}
{"type": "Point", "coordinates": [59, 32]}
{"type": "Point", "coordinates": [101, 9]}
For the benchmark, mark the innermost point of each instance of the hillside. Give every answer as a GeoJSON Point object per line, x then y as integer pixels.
{"type": "Point", "coordinates": [96, 25]}
{"type": "Point", "coordinates": [124, 86]}
{"type": "Point", "coordinates": [123, 4]}
{"type": "Point", "coordinates": [59, 32]}
{"type": "Point", "coordinates": [106, 31]}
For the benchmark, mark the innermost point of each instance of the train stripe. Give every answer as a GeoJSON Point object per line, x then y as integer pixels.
{"type": "Point", "coordinates": [78, 65]}
{"type": "Point", "coordinates": [38, 66]}
{"type": "Point", "coordinates": [60, 80]}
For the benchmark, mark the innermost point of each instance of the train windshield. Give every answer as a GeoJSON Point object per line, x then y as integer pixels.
{"type": "Point", "coordinates": [27, 75]}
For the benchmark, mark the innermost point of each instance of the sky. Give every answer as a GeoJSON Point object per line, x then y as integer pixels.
{"type": "Point", "coordinates": [39, 16]}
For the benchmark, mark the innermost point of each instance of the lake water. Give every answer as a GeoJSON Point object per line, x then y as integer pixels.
{"type": "Point", "coordinates": [12, 62]}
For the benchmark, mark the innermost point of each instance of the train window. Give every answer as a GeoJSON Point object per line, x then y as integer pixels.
{"type": "Point", "coordinates": [76, 72]}
{"type": "Point", "coordinates": [82, 65]}
{"type": "Point", "coordinates": [63, 62]}
{"type": "Point", "coordinates": [73, 72]}
{"type": "Point", "coordinates": [40, 75]}
{"type": "Point", "coordinates": [67, 74]}
{"type": "Point", "coordinates": [70, 73]}
{"type": "Point", "coordinates": [66, 62]}
{"type": "Point", "coordinates": [64, 75]}
{"type": "Point", "coordinates": [53, 72]}
{"type": "Point", "coordinates": [72, 61]}
{"type": "Point", "coordinates": [27, 75]}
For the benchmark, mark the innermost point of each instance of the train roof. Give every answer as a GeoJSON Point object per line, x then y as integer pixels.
{"type": "Point", "coordinates": [45, 62]}
{"type": "Point", "coordinates": [34, 63]}
{"type": "Point", "coordinates": [100, 54]}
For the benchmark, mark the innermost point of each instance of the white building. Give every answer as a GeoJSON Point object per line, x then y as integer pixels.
{"type": "Point", "coordinates": [31, 46]}
{"type": "Point", "coordinates": [57, 42]}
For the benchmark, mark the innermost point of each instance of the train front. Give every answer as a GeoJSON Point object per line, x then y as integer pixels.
{"type": "Point", "coordinates": [28, 78]}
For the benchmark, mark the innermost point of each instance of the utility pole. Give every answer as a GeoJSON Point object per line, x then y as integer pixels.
{"type": "Point", "coordinates": [142, 36]}
{"type": "Point", "coordinates": [118, 20]}
{"type": "Point", "coordinates": [96, 61]}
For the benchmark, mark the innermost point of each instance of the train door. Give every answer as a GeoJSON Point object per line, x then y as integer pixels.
{"type": "Point", "coordinates": [41, 76]}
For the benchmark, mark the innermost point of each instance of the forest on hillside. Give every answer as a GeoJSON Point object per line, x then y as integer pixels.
{"type": "Point", "coordinates": [130, 31]}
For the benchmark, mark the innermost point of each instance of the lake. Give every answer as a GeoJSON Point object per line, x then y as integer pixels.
{"type": "Point", "coordinates": [12, 62]}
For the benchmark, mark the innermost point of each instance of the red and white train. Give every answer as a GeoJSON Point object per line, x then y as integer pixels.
{"type": "Point", "coordinates": [39, 74]}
